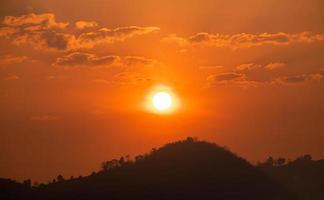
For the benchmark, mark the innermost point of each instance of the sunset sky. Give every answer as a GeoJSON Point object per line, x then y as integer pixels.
{"type": "Point", "coordinates": [75, 76]}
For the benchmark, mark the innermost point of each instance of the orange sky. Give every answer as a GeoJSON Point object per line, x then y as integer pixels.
{"type": "Point", "coordinates": [74, 75]}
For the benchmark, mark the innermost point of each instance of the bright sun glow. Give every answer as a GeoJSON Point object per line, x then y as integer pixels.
{"type": "Point", "coordinates": [162, 101]}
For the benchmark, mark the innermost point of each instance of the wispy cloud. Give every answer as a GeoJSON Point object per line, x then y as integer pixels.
{"type": "Point", "coordinates": [105, 35]}
{"type": "Point", "coordinates": [230, 78]}
{"type": "Point", "coordinates": [44, 118]}
{"type": "Point", "coordinates": [42, 31]}
{"type": "Point", "coordinates": [274, 65]}
{"type": "Point", "coordinates": [244, 40]}
{"type": "Point", "coordinates": [11, 78]}
{"type": "Point", "coordinates": [85, 24]}
{"type": "Point", "coordinates": [77, 59]}
{"type": "Point", "coordinates": [85, 59]}
{"type": "Point", "coordinates": [11, 59]}
{"type": "Point", "coordinates": [130, 78]}
{"type": "Point", "coordinates": [254, 66]}
{"type": "Point", "coordinates": [34, 22]}
{"type": "Point", "coordinates": [298, 79]}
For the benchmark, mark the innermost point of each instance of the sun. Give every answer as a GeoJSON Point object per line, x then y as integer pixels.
{"type": "Point", "coordinates": [162, 101]}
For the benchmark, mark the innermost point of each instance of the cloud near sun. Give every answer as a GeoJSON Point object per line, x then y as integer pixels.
{"type": "Point", "coordinates": [242, 80]}
{"type": "Point", "coordinates": [240, 76]}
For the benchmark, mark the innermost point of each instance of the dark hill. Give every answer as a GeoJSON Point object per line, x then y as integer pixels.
{"type": "Point", "coordinates": [303, 176]}
{"type": "Point", "coordinates": [186, 169]}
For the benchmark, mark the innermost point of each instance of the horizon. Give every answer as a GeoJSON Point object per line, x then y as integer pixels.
{"type": "Point", "coordinates": [133, 159]}
{"type": "Point", "coordinates": [85, 81]}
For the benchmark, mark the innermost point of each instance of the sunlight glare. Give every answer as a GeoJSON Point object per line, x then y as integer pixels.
{"type": "Point", "coordinates": [162, 101]}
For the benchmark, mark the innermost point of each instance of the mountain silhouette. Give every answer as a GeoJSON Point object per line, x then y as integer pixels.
{"type": "Point", "coordinates": [187, 169]}
{"type": "Point", "coordinates": [303, 176]}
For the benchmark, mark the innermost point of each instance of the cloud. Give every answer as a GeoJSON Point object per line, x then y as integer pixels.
{"type": "Point", "coordinates": [11, 78]}
{"type": "Point", "coordinates": [130, 63]}
{"type": "Point", "coordinates": [241, 77]}
{"type": "Point", "coordinates": [241, 80]}
{"type": "Point", "coordinates": [104, 35]}
{"type": "Point", "coordinates": [275, 65]}
{"type": "Point", "coordinates": [10, 59]}
{"type": "Point", "coordinates": [86, 59]}
{"type": "Point", "coordinates": [244, 40]}
{"type": "Point", "coordinates": [44, 118]}
{"type": "Point", "coordinates": [42, 31]}
{"type": "Point", "coordinates": [200, 37]}
{"type": "Point", "coordinates": [7, 31]}
{"type": "Point", "coordinates": [39, 31]}
{"type": "Point", "coordinates": [174, 39]}
{"type": "Point", "coordinates": [230, 78]}
{"type": "Point", "coordinates": [130, 78]}
{"type": "Point", "coordinates": [85, 24]}
{"type": "Point", "coordinates": [45, 40]}
{"type": "Point", "coordinates": [298, 79]}
{"type": "Point", "coordinates": [253, 66]}
{"type": "Point", "coordinates": [125, 79]}
{"type": "Point", "coordinates": [34, 22]}
{"type": "Point", "coordinates": [136, 60]}
{"type": "Point", "coordinates": [248, 67]}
